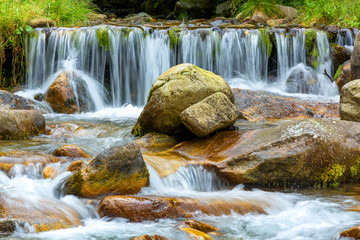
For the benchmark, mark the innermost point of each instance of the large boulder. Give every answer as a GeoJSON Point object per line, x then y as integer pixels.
{"type": "Point", "coordinates": [20, 124]}
{"type": "Point", "coordinates": [350, 101]}
{"type": "Point", "coordinates": [355, 60]}
{"type": "Point", "coordinates": [139, 209]}
{"type": "Point", "coordinates": [340, 55]}
{"type": "Point", "coordinates": [9, 101]}
{"type": "Point", "coordinates": [209, 115]}
{"type": "Point", "coordinates": [60, 95]}
{"type": "Point", "coordinates": [260, 16]}
{"type": "Point", "coordinates": [286, 153]}
{"type": "Point", "coordinates": [172, 92]}
{"type": "Point", "coordinates": [342, 75]}
{"type": "Point", "coordinates": [224, 9]}
{"type": "Point", "coordinates": [118, 170]}
{"type": "Point", "coordinates": [289, 12]}
{"type": "Point", "coordinates": [159, 7]}
{"type": "Point", "coordinates": [194, 8]}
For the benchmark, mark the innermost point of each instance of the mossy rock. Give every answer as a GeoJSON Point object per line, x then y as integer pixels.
{"type": "Point", "coordinates": [174, 34]}
{"type": "Point", "coordinates": [310, 40]}
{"type": "Point", "coordinates": [172, 92]}
{"type": "Point", "coordinates": [103, 38]}
{"type": "Point", "coordinates": [118, 170]}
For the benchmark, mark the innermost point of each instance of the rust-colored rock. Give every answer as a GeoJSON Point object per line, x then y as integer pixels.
{"type": "Point", "coordinates": [344, 76]}
{"type": "Point", "coordinates": [71, 151]}
{"type": "Point", "coordinates": [201, 226]}
{"type": "Point", "coordinates": [147, 237]}
{"type": "Point", "coordinates": [156, 141]}
{"type": "Point", "coordinates": [41, 23]}
{"type": "Point", "coordinates": [60, 95]}
{"type": "Point", "coordinates": [139, 209]}
{"type": "Point", "coordinates": [50, 172]}
{"type": "Point", "coordinates": [260, 106]}
{"type": "Point", "coordinates": [196, 234]}
{"type": "Point", "coordinates": [353, 233]}
{"type": "Point", "coordinates": [76, 166]}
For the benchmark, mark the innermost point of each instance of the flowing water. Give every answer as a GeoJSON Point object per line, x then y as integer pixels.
{"type": "Point", "coordinates": [117, 77]}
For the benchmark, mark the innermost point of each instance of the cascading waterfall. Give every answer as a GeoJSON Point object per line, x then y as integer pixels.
{"type": "Point", "coordinates": [346, 37]}
{"type": "Point", "coordinates": [126, 60]}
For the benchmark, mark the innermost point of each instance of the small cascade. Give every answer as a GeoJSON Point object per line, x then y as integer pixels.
{"type": "Point", "coordinates": [346, 37]}
{"type": "Point", "coordinates": [121, 63]}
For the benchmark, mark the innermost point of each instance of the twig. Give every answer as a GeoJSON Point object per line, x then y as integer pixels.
{"type": "Point", "coordinates": [326, 74]}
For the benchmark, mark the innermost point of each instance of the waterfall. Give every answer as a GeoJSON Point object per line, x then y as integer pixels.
{"type": "Point", "coordinates": [346, 37]}
{"type": "Point", "coordinates": [123, 62]}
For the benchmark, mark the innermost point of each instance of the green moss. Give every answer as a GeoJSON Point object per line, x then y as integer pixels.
{"type": "Point", "coordinates": [102, 35]}
{"type": "Point", "coordinates": [310, 38]}
{"type": "Point", "coordinates": [174, 34]}
{"type": "Point", "coordinates": [338, 72]}
{"type": "Point", "coordinates": [75, 184]}
{"type": "Point", "coordinates": [332, 176]}
{"type": "Point", "coordinates": [138, 130]}
{"type": "Point", "coordinates": [266, 41]}
{"type": "Point", "coordinates": [315, 62]}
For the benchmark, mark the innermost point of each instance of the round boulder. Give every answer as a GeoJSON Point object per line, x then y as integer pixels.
{"type": "Point", "coordinates": [71, 151]}
{"type": "Point", "coordinates": [174, 91]}
{"type": "Point", "coordinates": [118, 170]}
{"type": "Point", "coordinates": [350, 101]}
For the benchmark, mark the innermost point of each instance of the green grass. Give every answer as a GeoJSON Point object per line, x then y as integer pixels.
{"type": "Point", "coordinates": [15, 16]}
{"type": "Point", "coordinates": [345, 13]}
{"type": "Point", "coordinates": [266, 6]}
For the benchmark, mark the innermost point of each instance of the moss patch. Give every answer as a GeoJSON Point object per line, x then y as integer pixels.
{"type": "Point", "coordinates": [102, 35]}
{"type": "Point", "coordinates": [174, 34]}
{"type": "Point", "coordinates": [75, 184]}
{"type": "Point", "coordinates": [310, 38]}
{"type": "Point", "coordinates": [266, 41]}
{"type": "Point", "coordinates": [338, 72]}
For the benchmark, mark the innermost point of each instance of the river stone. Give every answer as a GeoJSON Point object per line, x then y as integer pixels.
{"type": "Point", "coordinates": [355, 60]}
{"type": "Point", "coordinates": [138, 209]}
{"type": "Point", "coordinates": [147, 237]}
{"type": "Point", "coordinates": [9, 101]}
{"type": "Point", "coordinates": [353, 233]}
{"type": "Point", "coordinates": [201, 226]}
{"type": "Point", "coordinates": [350, 101]}
{"type": "Point", "coordinates": [260, 16]}
{"type": "Point", "coordinates": [340, 55]}
{"type": "Point", "coordinates": [71, 151]}
{"type": "Point", "coordinates": [309, 152]}
{"type": "Point", "coordinates": [344, 75]}
{"type": "Point", "coordinates": [209, 115]}
{"type": "Point", "coordinates": [224, 9]}
{"type": "Point", "coordinates": [20, 124]}
{"type": "Point", "coordinates": [172, 92]}
{"type": "Point", "coordinates": [118, 170]}
{"type": "Point", "coordinates": [60, 95]}
{"type": "Point", "coordinates": [195, 8]}
{"type": "Point", "coordinates": [196, 234]}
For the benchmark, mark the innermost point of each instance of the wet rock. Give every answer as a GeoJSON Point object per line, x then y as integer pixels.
{"type": "Point", "coordinates": [287, 153]}
{"type": "Point", "coordinates": [139, 209]}
{"type": "Point", "coordinates": [332, 32]}
{"type": "Point", "coordinates": [342, 75]}
{"type": "Point", "coordinates": [118, 170]}
{"type": "Point", "coordinates": [76, 166]}
{"type": "Point", "coordinates": [41, 23]}
{"type": "Point", "coordinates": [276, 22]}
{"type": "Point", "coordinates": [9, 101]}
{"type": "Point", "coordinates": [7, 225]}
{"type": "Point", "coordinates": [147, 237]}
{"type": "Point", "coordinates": [139, 18]}
{"type": "Point", "coordinates": [260, 17]}
{"type": "Point", "coordinates": [224, 9]}
{"type": "Point", "coordinates": [355, 60]}
{"type": "Point", "coordinates": [60, 95]}
{"type": "Point", "coordinates": [195, 8]}
{"type": "Point", "coordinates": [201, 226]}
{"type": "Point", "coordinates": [196, 234]}
{"type": "Point", "coordinates": [353, 233]}
{"type": "Point", "coordinates": [340, 55]}
{"type": "Point", "coordinates": [289, 12]}
{"type": "Point", "coordinates": [156, 141]}
{"type": "Point", "coordinates": [9, 159]}
{"type": "Point", "coordinates": [50, 172]}
{"type": "Point", "coordinates": [174, 91]}
{"type": "Point", "coordinates": [43, 214]}
{"type": "Point", "coordinates": [71, 151]}
{"type": "Point", "coordinates": [20, 124]}
{"type": "Point", "coordinates": [350, 101]}
{"type": "Point", "coordinates": [96, 18]}
{"type": "Point", "coordinates": [302, 80]}
{"type": "Point", "coordinates": [259, 106]}
{"type": "Point", "coordinates": [209, 115]}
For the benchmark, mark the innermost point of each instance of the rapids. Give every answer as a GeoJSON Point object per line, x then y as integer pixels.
{"type": "Point", "coordinates": [118, 81]}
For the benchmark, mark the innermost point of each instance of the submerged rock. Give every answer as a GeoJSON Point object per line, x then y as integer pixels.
{"type": "Point", "coordinates": [287, 153]}
{"type": "Point", "coordinates": [209, 115]}
{"type": "Point", "coordinates": [20, 124]}
{"type": "Point", "coordinates": [71, 151]}
{"type": "Point", "coordinates": [350, 101]}
{"type": "Point", "coordinates": [201, 226]}
{"type": "Point", "coordinates": [174, 91]}
{"type": "Point", "coordinates": [9, 101]}
{"type": "Point", "coordinates": [118, 170]}
{"type": "Point", "coordinates": [139, 209]}
{"type": "Point", "coordinates": [259, 106]}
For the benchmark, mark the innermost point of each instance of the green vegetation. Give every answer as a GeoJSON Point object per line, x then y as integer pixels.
{"type": "Point", "coordinates": [266, 6]}
{"type": "Point", "coordinates": [102, 35]}
{"type": "Point", "coordinates": [16, 18]}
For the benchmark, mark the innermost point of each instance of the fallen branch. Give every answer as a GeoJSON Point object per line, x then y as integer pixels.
{"type": "Point", "coordinates": [326, 74]}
